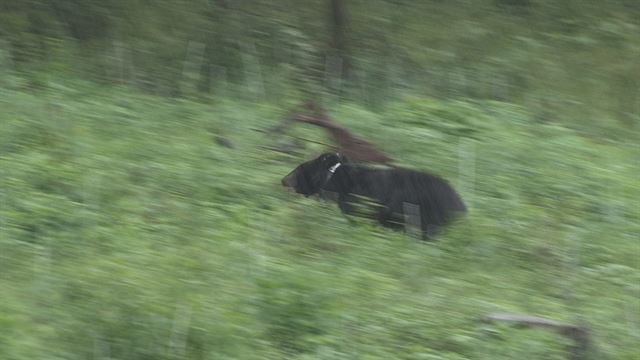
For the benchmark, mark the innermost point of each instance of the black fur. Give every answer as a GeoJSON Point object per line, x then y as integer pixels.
{"type": "Point", "coordinates": [393, 190]}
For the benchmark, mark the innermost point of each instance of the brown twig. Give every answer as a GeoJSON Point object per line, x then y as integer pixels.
{"type": "Point", "coordinates": [579, 334]}
{"type": "Point", "coordinates": [351, 145]}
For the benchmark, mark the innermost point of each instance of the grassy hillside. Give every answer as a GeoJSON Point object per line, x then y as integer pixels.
{"type": "Point", "coordinates": [126, 232]}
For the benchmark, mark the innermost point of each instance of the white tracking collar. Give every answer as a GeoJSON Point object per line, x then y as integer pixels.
{"type": "Point", "coordinates": [334, 168]}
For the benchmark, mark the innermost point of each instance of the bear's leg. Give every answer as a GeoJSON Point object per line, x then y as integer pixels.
{"type": "Point", "coordinates": [412, 219]}
{"type": "Point", "coordinates": [429, 231]}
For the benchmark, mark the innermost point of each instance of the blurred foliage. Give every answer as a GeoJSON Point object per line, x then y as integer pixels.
{"type": "Point", "coordinates": [126, 232]}
{"type": "Point", "coordinates": [573, 62]}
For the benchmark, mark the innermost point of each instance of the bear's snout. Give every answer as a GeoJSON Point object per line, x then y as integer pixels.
{"type": "Point", "coordinates": [289, 180]}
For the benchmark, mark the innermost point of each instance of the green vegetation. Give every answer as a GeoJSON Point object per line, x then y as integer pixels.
{"type": "Point", "coordinates": [128, 232]}
{"type": "Point", "coordinates": [574, 61]}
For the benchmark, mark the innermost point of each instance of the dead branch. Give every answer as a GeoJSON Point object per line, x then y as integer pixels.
{"type": "Point", "coordinates": [349, 144]}
{"type": "Point", "coordinates": [579, 334]}
{"type": "Point", "coordinates": [280, 149]}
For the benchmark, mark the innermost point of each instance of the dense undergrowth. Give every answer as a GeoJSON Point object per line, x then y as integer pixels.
{"type": "Point", "coordinates": [128, 233]}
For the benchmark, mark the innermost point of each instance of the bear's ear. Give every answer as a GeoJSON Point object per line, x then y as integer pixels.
{"type": "Point", "coordinates": [341, 181]}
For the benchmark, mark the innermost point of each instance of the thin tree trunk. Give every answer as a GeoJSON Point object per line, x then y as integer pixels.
{"type": "Point", "coordinates": [339, 46]}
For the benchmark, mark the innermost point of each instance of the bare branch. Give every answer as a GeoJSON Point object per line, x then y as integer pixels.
{"type": "Point", "coordinates": [352, 146]}
{"type": "Point", "coordinates": [579, 334]}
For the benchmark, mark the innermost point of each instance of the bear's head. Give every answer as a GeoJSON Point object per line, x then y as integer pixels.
{"type": "Point", "coordinates": [312, 176]}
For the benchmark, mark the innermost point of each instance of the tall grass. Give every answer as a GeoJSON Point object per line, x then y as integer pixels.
{"type": "Point", "coordinates": [127, 232]}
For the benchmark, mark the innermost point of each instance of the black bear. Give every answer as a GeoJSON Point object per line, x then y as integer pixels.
{"type": "Point", "coordinates": [399, 196]}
